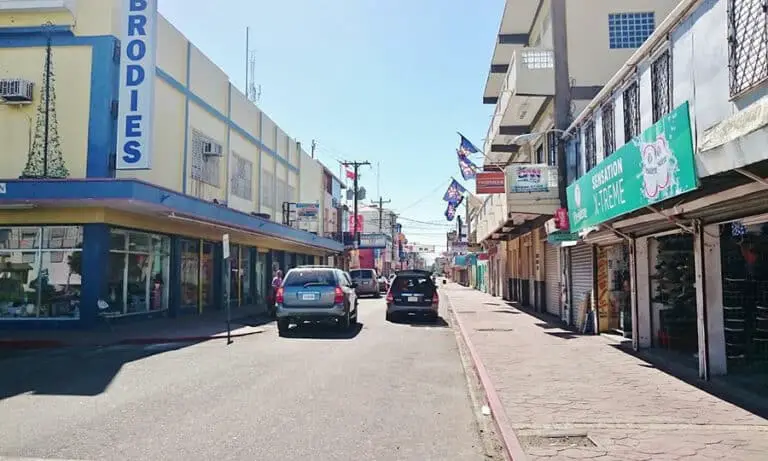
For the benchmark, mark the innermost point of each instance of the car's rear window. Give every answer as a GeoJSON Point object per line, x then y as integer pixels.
{"type": "Point", "coordinates": [413, 284]}
{"type": "Point", "coordinates": [300, 278]}
{"type": "Point", "coordinates": [361, 274]}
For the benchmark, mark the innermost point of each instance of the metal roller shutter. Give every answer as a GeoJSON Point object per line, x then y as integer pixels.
{"type": "Point", "coordinates": [552, 274]}
{"type": "Point", "coordinates": [581, 281]}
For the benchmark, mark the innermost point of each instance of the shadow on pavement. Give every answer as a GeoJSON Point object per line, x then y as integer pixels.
{"type": "Point", "coordinates": [420, 321]}
{"type": "Point", "coordinates": [723, 387]}
{"type": "Point", "coordinates": [320, 331]}
{"type": "Point", "coordinates": [506, 311]}
{"type": "Point", "coordinates": [82, 371]}
{"type": "Point", "coordinates": [562, 334]}
{"type": "Point", "coordinates": [253, 321]}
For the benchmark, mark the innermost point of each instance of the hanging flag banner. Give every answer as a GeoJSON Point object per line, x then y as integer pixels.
{"type": "Point", "coordinates": [455, 192]}
{"type": "Point", "coordinates": [467, 166]}
{"type": "Point", "coordinates": [466, 147]}
{"type": "Point", "coordinates": [138, 31]}
{"type": "Point", "coordinates": [490, 182]}
{"type": "Point", "coordinates": [450, 211]}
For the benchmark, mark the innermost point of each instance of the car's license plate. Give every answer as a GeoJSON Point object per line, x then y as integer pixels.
{"type": "Point", "coordinates": [308, 297]}
{"type": "Point", "coordinates": [413, 299]}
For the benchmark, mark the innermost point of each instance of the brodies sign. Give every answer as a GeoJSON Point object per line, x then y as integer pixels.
{"type": "Point", "coordinates": [657, 165]}
{"type": "Point", "coordinates": [137, 84]}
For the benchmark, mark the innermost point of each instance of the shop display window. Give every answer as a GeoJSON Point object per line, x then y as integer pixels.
{"type": "Point", "coordinates": [744, 253]}
{"type": "Point", "coordinates": [673, 294]}
{"type": "Point", "coordinates": [190, 273]}
{"type": "Point", "coordinates": [139, 265]}
{"type": "Point", "coordinates": [40, 272]}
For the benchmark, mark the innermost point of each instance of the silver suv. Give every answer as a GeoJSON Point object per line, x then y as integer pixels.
{"type": "Point", "coordinates": [316, 293]}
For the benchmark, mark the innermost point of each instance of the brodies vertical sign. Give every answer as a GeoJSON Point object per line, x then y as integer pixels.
{"type": "Point", "coordinates": [137, 84]}
{"type": "Point", "coordinates": [657, 165]}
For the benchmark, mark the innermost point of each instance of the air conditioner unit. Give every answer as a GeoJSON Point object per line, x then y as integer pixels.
{"type": "Point", "coordinates": [16, 91]}
{"type": "Point", "coordinates": [211, 148]}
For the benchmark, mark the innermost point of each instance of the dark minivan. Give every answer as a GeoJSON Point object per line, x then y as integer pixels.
{"type": "Point", "coordinates": [413, 292]}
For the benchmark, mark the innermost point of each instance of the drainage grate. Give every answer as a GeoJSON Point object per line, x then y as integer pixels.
{"type": "Point", "coordinates": [557, 441]}
{"type": "Point", "coordinates": [494, 329]}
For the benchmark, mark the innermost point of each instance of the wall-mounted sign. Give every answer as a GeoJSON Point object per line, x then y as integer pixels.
{"type": "Point", "coordinates": [137, 84]}
{"type": "Point", "coordinates": [489, 182]}
{"type": "Point", "coordinates": [307, 211]}
{"type": "Point", "coordinates": [356, 225]}
{"type": "Point", "coordinates": [529, 178]}
{"type": "Point", "coordinates": [373, 241]}
{"type": "Point", "coordinates": [657, 165]}
{"type": "Point", "coordinates": [558, 237]}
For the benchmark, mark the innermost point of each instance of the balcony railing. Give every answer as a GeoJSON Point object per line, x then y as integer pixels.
{"type": "Point", "coordinates": [531, 73]}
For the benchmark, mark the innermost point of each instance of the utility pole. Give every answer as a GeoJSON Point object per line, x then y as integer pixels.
{"type": "Point", "coordinates": [314, 145]}
{"type": "Point", "coordinates": [380, 204]}
{"type": "Point", "coordinates": [356, 167]}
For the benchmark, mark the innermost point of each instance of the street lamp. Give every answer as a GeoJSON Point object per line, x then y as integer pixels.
{"type": "Point", "coordinates": [530, 137]}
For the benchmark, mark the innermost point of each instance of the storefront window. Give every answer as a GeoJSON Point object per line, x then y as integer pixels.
{"type": "Point", "coordinates": [263, 277]}
{"type": "Point", "coordinates": [40, 271]}
{"type": "Point", "coordinates": [139, 265]}
{"type": "Point", "coordinates": [673, 294]}
{"type": "Point", "coordinates": [234, 276]}
{"type": "Point", "coordinates": [744, 253]}
{"type": "Point", "coordinates": [613, 290]}
{"type": "Point", "coordinates": [207, 276]}
{"type": "Point", "coordinates": [245, 277]}
{"type": "Point", "coordinates": [190, 271]}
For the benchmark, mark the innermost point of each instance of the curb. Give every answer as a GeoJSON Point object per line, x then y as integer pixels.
{"type": "Point", "coordinates": [26, 344]}
{"type": "Point", "coordinates": [512, 447]}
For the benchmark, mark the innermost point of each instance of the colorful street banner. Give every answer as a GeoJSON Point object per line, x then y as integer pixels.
{"type": "Point", "coordinates": [465, 147]}
{"type": "Point", "coordinates": [657, 165]}
{"type": "Point", "coordinates": [455, 192]}
{"type": "Point", "coordinates": [490, 182]}
{"type": "Point", "coordinates": [450, 211]}
{"type": "Point", "coordinates": [529, 178]}
{"type": "Point", "coordinates": [467, 166]}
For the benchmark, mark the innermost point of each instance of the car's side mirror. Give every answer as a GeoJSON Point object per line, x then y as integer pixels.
{"type": "Point", "coordinates": [444, 281]}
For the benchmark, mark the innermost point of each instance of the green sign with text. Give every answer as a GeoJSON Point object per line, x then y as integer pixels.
{"type": "Point", "coordinates": [657, 165]}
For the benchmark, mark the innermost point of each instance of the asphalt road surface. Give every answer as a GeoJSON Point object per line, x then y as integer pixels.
{"type": "Point", "coordinates": [385, 392]}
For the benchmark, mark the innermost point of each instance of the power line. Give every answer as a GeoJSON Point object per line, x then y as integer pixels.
{"type": "Point", "coordinates": [417, 202]}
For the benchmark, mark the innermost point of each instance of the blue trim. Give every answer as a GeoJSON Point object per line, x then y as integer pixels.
{"type": "Point", "coordinates": [105, 72]}
{"type": "Point", "coordinates": [95, 258]}
{"type": "Point", "coordinates": [186, 120]}
{"type": "Point", "coordinates": [145, 194]}
{"type": "Point", "coordinates": [215, 113]}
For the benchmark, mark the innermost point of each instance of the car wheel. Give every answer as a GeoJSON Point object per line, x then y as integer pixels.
{"type": "Point", "coordinates": [353, 319]}
{"type": "Point", "coordinates": [344, 322]}
{"type": "Point", "coordinates": [390, 318]}
{"type": "Point", "coordinates": [282, 326]}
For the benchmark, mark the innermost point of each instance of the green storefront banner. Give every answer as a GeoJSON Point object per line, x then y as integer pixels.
{"type": "Point", "coordinates": [559, 237]}
{"type": "Point", "coordinates": [657, 165]}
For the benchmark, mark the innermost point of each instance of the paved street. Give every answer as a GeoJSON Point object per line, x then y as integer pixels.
{"type": "Point", "coordinates": [568, 396]}
{"type": "Point", "coordinates": [387, 392]}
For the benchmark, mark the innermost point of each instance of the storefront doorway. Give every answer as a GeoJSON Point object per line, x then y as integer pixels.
{"type": "Point", "coordinates": [613, 290]}
{"type": "Point", "coordinates": [744, 253]}
{"type": "Point", "coordinates": [673, 294]}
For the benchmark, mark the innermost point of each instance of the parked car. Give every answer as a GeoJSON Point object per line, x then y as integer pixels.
{"type": "Point", "coordinates": [383, 284]}
{"type": "Point", "coordinates": [367, 282]}
{"type": "Point", "coordinates": [316, 294]}
{"type": "Point", "coordinates": [413, 292]}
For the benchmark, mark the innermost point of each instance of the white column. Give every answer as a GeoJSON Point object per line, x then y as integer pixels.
{"type": "Point", "coordinates": [709, 301]}
{"type": "Point", "coordinates": [641, 294]}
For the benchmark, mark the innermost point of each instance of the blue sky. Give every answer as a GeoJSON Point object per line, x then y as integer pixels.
{"type": "Point", "coordinates": [389, 81]}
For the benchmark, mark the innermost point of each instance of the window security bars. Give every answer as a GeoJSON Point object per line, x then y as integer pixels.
{"type": "Point", "coordinates": [631, 111]}
{"type": "Point", "coordinates": [590, 146]}
{"type": "Point", "coordinates": [661, 86]}
{"type": "Point", "coordinates": [609, 135]}
{"type": "Point", "coordinates": [747, 44]}
{"type": "Point", "coordinates": [552, 148]}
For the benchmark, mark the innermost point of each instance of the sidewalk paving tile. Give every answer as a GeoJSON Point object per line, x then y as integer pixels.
{"type": "Point", "coordinates": [552, 383]}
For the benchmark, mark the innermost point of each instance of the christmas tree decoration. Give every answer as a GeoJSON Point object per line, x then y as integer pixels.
{"type": "Point", "coordinates": [45, 158]}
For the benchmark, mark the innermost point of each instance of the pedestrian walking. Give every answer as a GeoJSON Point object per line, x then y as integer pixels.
{"type": "Point", "coordinates": [277, 281]}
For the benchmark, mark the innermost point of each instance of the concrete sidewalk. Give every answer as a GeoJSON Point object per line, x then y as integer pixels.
{"type": "Point", "coordinates": [188, 328]}
{"type": "Point", "coordinates": [565, 396]}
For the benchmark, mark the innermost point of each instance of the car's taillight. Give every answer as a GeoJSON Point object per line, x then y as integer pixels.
{"type": "Point", "coordinates": [279, 297]}
{"type": "Point", "coordinates": [435, 300]}
{"type": "Point", "coordinates": [390, 298]}
{"type": "Point", "coordinates": [338, 297]}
